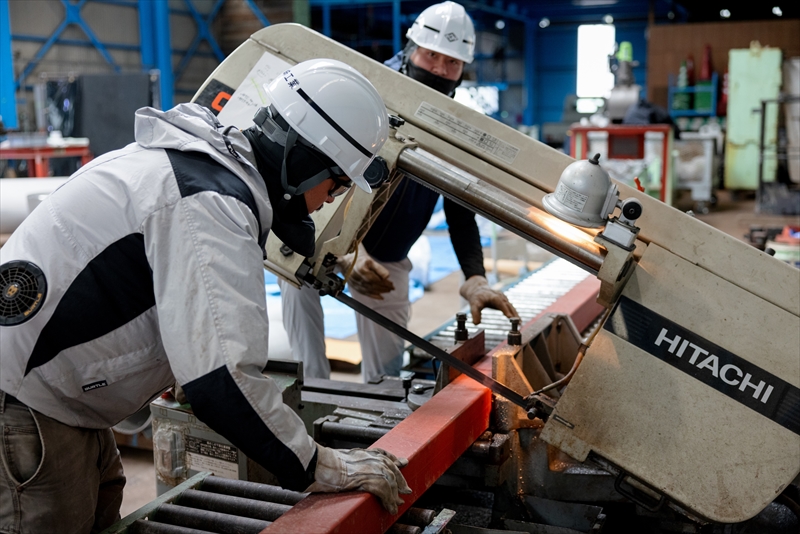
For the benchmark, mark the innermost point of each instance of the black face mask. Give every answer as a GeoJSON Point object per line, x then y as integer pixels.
{"type": "Point", "coordinates": [291, 222]}
{"type": "Point", "coordinates": [443, 85]}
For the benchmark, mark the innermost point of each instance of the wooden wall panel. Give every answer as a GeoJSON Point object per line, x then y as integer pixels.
{"type": "Point", "coordinates": [669, 44]}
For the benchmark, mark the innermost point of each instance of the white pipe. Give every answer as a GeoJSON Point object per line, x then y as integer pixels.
{"type": "Point", "coordinates": [19, 197]}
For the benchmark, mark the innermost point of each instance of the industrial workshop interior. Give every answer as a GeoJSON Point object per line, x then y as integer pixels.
{"type": "Point", "coordinates": [399, 266]}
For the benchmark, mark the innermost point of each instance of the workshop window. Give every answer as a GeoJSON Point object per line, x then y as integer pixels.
{"type": "Point", "coordinates": [595, 80]}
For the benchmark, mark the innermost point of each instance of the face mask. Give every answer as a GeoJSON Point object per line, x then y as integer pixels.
{"type": "Point", "coordinates": [443, 85]}
{"type": "Point", "coordinates": [291, 222]}
{"type": "Point", "coordinates": [295, 230]}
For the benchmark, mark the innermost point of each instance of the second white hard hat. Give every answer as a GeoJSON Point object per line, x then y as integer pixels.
{"type": "Point", "coordinates": [445, 28]}
{"type": "Point", "coordinates": [336, 109]}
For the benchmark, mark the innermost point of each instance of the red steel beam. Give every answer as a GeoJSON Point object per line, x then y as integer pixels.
{"type": "Point", "coordinates": [432, 438]}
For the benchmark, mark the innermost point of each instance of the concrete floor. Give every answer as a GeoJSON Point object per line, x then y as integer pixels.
{"type": "Point", "coordinates": [437, 306]}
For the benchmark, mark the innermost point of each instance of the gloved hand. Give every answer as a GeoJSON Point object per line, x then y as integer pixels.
{"type": "Point", "coordinates": [372, 470]}
{"type": "Point", "coordinates": [477, 292]}
{"type": "Point", "coordinates": [367, 276]}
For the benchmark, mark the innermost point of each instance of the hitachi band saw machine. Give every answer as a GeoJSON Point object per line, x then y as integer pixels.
{"type": "Point", "coordinates": [691, 387]}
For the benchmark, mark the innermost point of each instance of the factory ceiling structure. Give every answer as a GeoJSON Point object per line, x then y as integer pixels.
{"type": "Point", "coordinates": [514, 31]}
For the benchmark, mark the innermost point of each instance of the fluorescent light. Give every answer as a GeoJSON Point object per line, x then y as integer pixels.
{"type": "Point", "coordinates": [777, 11]}
{"type": "Point", "coordinates": [725, 14]}
{"type": "Point", "coordinates": [544, 23]}
{"type": "Point", "coordinates": [608, 19]}
{"type": "Point", "coordinates": [593, 3]}
{"type": "Point", "coordinates": [500, 24]}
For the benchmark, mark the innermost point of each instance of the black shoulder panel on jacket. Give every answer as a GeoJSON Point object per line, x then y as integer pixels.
{"type": "Point", "coordinates": [112, 290]}
{"type": "Point", "coordinates": [218, 402]}
{"type": "Point", "coordinates": [197, 172]}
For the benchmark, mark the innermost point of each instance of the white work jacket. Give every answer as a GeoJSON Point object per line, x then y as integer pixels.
{"type": "Point", "coordinates": [152, 257]}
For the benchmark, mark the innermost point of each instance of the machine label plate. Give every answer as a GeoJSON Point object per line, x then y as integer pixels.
{"type": "Point", "coordinates": [219, 458]}
{"type": "Point", "coordinates": [709, 363]}
{"type": "Point", "coordinates": [570, 198]}
{"type": "Point", "coordinates": [466, 132]}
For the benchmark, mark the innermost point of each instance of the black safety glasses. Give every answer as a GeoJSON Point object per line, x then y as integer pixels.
{"type": "Point", "coordinates": [340, 187]}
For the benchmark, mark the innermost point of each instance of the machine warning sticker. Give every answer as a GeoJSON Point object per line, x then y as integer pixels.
{"type": "Point", "coordinates": [219, 458]}
{"type": "Point", "coordinates": [571, 198]}
{"type": "Point", "coordinates": [467, 132]}
{"type": "Point", "coordinates": [214, 96]}
{"type": "Point", "coordinates": [711, 364]}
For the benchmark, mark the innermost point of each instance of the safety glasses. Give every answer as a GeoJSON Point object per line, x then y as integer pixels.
{"type": "Point", "coordinates": [340, 187]}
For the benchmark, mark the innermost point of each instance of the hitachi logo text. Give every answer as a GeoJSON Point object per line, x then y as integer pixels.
{"type": "Point", "coordinates": [703, 359]}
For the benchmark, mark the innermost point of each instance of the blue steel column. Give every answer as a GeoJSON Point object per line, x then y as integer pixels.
{"type": "Point", "coordinates": [146, 37]}
{"type": "Point", "coordinates": [326, 19]}
{"type": "Point", "coordinates": [163, 51]}
{"type": "Point", "coordinates": [396, 25]}
{"type": "Point", "coordinates": [531, 113]}
{"type": "Point", "coordinates": [8, 99]}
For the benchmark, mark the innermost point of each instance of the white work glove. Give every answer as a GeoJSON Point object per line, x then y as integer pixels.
{"type": "Point", "coordinates": [367, 276]}
{"type": "Point", "coordinates": [372, 470]}
{"type": "Point", "coordinates": [477, 292]}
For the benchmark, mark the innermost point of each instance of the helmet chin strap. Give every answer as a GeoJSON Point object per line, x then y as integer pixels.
{"type": "Point", "coordinates": [266, 119]}
{"type": "Point", "coordinates": [289, 191]}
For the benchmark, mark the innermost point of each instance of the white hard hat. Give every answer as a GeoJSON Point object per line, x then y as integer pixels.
{"type": "Point", "coordinates": [445, 28]}
{"type": "Point", "coordinates": [336, 109]}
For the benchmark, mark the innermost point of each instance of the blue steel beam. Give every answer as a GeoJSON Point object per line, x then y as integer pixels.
{"type": "Point", "coordinates": [529, 115]}
{"type": "Point", "coordinates": [72, 15]}
{"type": "Point", "coordinates": [396, 25]}
{"type": "Point", "coordinates": [163, 53]}
{"type": "Point", "coordinates": [73, 42]}
{"type": "Point", "coordinates": [146, 38]}
{"type": "Point", "coordinates": [8, 101]}
{"type": "Point", "coordinates": [111, 46]}
{"type": "Point", "coordinates": [203, 34]}
{"type": "Point", "coordinates": [326, 19]}
{"type": "Point", "coordinates": [470, 6]}
{"type": "Point", "coordinates": [123, 3]}
{"type": "Point", "coordinates": [257, 12]}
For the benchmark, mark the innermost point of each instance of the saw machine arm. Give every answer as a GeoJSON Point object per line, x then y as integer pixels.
{"type": "Point", "coordinates": [692, 386]}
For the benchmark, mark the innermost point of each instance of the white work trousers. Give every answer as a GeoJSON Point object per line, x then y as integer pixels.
{"type": "Point", "coordinates": [305, 326]}
{"type": "Point", "coordinates": [381, 351]}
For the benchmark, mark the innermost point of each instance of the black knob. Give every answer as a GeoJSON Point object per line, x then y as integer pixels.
{"type": "Point", "coordinates": [395, 121]}
{"type": "Point", "coordinates": [631, 209]}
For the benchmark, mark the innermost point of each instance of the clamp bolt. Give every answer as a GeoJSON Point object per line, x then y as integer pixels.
{"type": "Point", "coordinates": [514, 335]}
{"type": "Point", "coordinates": [461, 333]}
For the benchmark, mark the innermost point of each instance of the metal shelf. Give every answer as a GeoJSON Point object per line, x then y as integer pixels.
{"type": "Point", "coordinates": [712, 88]}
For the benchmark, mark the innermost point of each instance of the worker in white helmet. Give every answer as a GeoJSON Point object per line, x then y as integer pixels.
{"type": "Point", "coordinates": [145, 270]}
{"type": "Point", "coordinates": [440, 42]}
